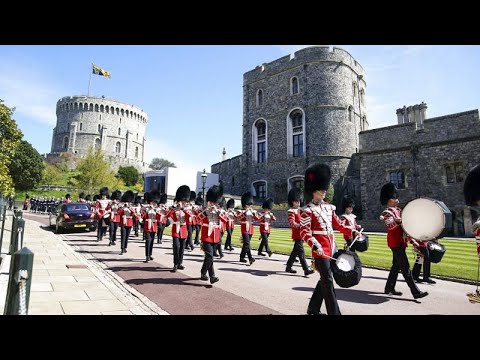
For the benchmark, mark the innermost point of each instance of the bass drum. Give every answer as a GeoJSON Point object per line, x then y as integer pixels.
{"type": "Point", "coordinates": [426, 219]}
{"type": "Point", "coordinates": [436, 251]}
{"type": "Point", "coordinates": [346, 269]}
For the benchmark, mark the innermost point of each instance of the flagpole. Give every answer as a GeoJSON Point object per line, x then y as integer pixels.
{"type": "Point", "coordinates": [90, 81]}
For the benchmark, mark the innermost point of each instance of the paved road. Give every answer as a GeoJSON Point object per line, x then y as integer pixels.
{"type": "Point", "coordinates": [263, 288]}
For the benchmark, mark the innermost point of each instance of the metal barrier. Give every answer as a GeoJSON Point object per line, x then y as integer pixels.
{"type": "Point", "coordinates": [18, 225]}
{"type": "Point", "coordinates": [19, 283]}
{"type": "Point", "coordinates": [3, 216]}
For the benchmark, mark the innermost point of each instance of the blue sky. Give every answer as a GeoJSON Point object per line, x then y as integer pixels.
{"type": "Point", "coordinates": [193, 94]}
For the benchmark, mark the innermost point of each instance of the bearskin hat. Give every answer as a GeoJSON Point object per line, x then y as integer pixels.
{"type": "Point", "coordinates": [193, 195]}
{"type": "Point", "coordinates": [183, 193]}
{"type": "Point", "coordinates": [317, 177]}
{"type": "Point", "coordinates": [163, 198]}
{"type": "Point", "coordinates": [471, 188]}
{"type": "Point", "coordinates": [68, 196]}
{"type": "Point", "coordinates": [295, 194]}
{"type": "Point", "coordinates": [347, 201]}
{"type": "Point", "coordinates": [138, 200]}
{"type": "Point", "coordinates": [104, 191]}
{"type": "Point", "coordinates": [388, 191]}
{"type": "Point", "coordinates": [268, 204]}
{"type": "Point", "coordinates": [81, 195]}
{"type": "Point", "coordinates": [128, 196]}
{"type": "Point", "coordinates": [214, 193]}
{"type": "Point", "coordinates": [247, 199]}
{"type": "Point", "coordinates": [96, 197]}
{"type": "Point", "coordinates": [199, 200]}
{"type": "Point", "coordinates": [116, 195]}
{"type": "Point", "coordinates": [230, 204]}
{"type": "Point", "coordinates": [88, 197]}
{"type": "Point", "coordinates": [154, 195]}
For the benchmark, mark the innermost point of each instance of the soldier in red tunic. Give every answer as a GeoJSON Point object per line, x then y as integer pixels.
{"type": "Point", "coordinates": [197, 209]}
{"type": "Point", "coordinates": [190, 219]}
{"type": "Point", "coordinates": [349, 218]}
{"type": "Point", "coordinates": [317, 221]}
{"type": "Point", "coordinates": [294, 197]}
{"type": "Point", "coordinates": [246, 217]}
{"type": "Point", "coordinates": [211, 220]}
{"type": "Point", "coordinates": [230, 212]}
{"type": "Point", "coordinates": [112, 208]}
{"type": "Point", "coordinates": [179, 226]}
{"type": "Point", "coordinates": [149, 216]}
{"type": "Point", "coordinates": [102, 215]}
{"type": "Point", "coordinates": [265, 218]}
{"type": "Point", "coordinates": [126, 214]}
{"type": "Point", "coordinates": [471, 192]}
{"type": "Point", "coordinates": [396, 240]}
{"type": "Point", "coordinates": [161, 216]}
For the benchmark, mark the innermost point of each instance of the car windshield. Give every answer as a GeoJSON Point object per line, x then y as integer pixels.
{"type": "Point", "coordinates": [76, 207]}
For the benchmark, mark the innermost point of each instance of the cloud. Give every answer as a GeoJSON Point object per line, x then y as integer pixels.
{"type": "Point", "coordinates": [380, 113]}
{"type": "Point", "coordinates": [29, 92]}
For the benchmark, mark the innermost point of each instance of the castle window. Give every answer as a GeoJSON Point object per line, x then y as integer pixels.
{"type": "Point", "coordinates": [260, 141]}
{"type": "Point", "coordinates": [364, 123]}
{"type": "Point", "coordinates": [296, 133]}
{"type": "Point", "coordinates": [297, 181]}
{"type": "Point", "coordinates": [137, 136]}
{"type": "Point", "coordinates": [98, 144]}
{"type": "Point", "coordinates": [76, 106]}
{"type": "Point", "coordinates": [107, 109]}
{"type": "Point", "coordinates": [397, 178]}
{"type": "Point", "coordinates": [91, 107]}
{"type": "Point", "coordinates": [65, 143]}
{"type": "Point", "coordinates": [120, 120]}
{"type": "Point", "coordinates": [99, 127]}
{"type": "Point", "coordinates": [101, 108]}
{"type": "Point", "coordinates": [259, 98]}
{"type": "Point", "coordinates": [362, 97]}
{"type": "Point", "coordinates": [122, 112]}
{"type": "Point", "coordinates": [118, 111]}
{"type": "Point", "coordinates": [233, 181]}
{"type": "Point", "coordinates": [454, 173]}
{"type": "Point", "coordinates": [350, 113]}
{"type": "Point", "coordinates": [136, 151]}
{"type": "Point", "coordinates": [96, 107]}
{"type": "Point", "coordinates": [119, 131]}
{"type": "Point", "coordinates": [260, 190]}
{"type": "Point", "coordinates": [112, 110]}
{"type": "Point", "coordinates": [81, 126]}
{"type": "Point", "coordinates": [294, 88]}
{"type": "Point", "coordinates": [118, 147]}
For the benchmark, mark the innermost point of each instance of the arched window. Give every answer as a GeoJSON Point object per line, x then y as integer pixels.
{"type": "Point", "coordinates": [122, 112]}
{"type": "Point", "coordinates": [350, 113]}
{"type": "Point", "coordinates": [118, 111]}
{"type": "Point", "coordinates": [136, 151]}
{"type": "Point", "coordinates": [101, 108]}
{"type": "Point", "coordinates": [119, 131]}
{"type": "Point", "coordinates": [120, 120]}
{"type": "Point", "coordinates": [112, 110]}
{"type": "Point", "coordinates": [99, 127]}
{"type": "Point", "coordinates": [296, 133]}
{"type": "Point", "coordinates": [98, 144]}
{"type": "Point", "coordinates": [107, 109]}
{"type": "Point", "coordinates": [259, 190]}
{"type": "Point", "coordinates": [118, 147]}
{"type": "Point", "coordinates": [294, 89]}
{"type": "Point", "coordinates": [81, 126]}
{"type": "Point", "coordinates": [85, 106]}
{"type": "Point", "coordinates": [260, 141]}
{"type": "Point", "coordinates": [362, 97]}
{"type": "Point", "coordinates": [76, 106]}
{"type": "Point", "coordinates": [364, 123]}
{"type": "Point", "coordinates": [91, 107]}
{"type": "Point", "coordinates": [354, 85]}
{"type": "Point", "coordinates": [96, 107]}
{"type": "Point", "coordinates": [65, 143]}
{"type": "Point", "coordinates": [297, 181]}
{"type": "Point", "coordinates": [259, 97]}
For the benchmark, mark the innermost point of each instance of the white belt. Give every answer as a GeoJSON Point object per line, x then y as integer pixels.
{"type": "Point", "coordinates": [266, 226]}
{"type": "Point", "coordinates": [247, 224]}
{"type": "Point", "coordinates": [211, 226]}
{"type": "Point", "coordinates": [321, 232]}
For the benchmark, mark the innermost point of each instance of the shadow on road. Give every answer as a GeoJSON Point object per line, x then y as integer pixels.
{"type": "Point", "coordinates": [253, 271]}
{"type": "Point", "coordinates": [166, 281]}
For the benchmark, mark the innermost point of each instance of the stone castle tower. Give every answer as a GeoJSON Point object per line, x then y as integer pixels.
{"type": "Point", "coordinates": [115, 127]}
{"type": "Point", "coordinates": [298, 110]}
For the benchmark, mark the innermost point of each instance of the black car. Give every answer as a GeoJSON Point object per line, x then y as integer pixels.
{"type": "Point", "coordinates": [72, 216]}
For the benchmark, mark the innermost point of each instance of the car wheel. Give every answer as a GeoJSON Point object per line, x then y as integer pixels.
{"type": "Point", "coordinates": [59, 230]}
{"type": "Point", "coordinates": [94, 228]}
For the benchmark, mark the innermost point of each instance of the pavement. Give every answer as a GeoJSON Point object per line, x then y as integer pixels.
{"type": "Point", "coordinates": [75, 274]}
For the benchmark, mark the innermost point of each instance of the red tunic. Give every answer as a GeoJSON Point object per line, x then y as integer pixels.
{"type": "Point", "coordinates": [265, 219]}
{"type": "Point", "coordinates": [212, 220]}
{"type": "Point", "coordinates": [149, 220]}
{"type": "Point", "coordinates": [179, 227]}
{"type": "Point", "coordinates": [246, 218]}
{"type": "Point", "coordinates": [395, 236]}
{"type": "Point", "coordinates": [476, 232]}
{"type": "Point", "coordinates": [316, 226]}
{"type": "Point", "coordinates": [126, 216]}
{"type": "Point", "coordinates": [100, 207]}
{"type": "Point", "coordinates": [350, 220]}
{"type": "Point", "coordinates": [162, 214]}
{"type": "Point", "coordinates": [294, 222]}
{"type": "Point", "coordinates": [231, 219]}
{"type": "Point", "coordinates": [113, 208]}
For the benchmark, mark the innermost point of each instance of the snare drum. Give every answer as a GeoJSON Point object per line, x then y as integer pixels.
{"type": "Point", "coordinates": [347, 269]}
{"type": "Point", "coordinates": [361, 244]}
{"type": "Point", "coordinates": [426, 219]}
{"type": "Point", "coordinates": [436, 251]}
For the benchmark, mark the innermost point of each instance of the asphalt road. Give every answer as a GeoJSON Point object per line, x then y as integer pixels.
{"type": "Point", "coordinates": [262, 288]}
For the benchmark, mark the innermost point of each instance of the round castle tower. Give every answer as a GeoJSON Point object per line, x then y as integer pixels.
{"type": "Point", "coordinates": [299, 110]}
{"type": "Point", "coordinates": [115, 127]}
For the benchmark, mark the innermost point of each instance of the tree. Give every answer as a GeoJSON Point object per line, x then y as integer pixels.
{"type": "Point", "coordinates": [51, 175]}
{"type": "Point", "coordinates": [129, 174]}
{"type": "Point", "coordinates": [95, 172]}
{"type": "Point", "coordinates": [160, 163]}
{"type": "Point", "coordinates": [26, 167]}
{"type": "Point", "coordinates": [10, 137]}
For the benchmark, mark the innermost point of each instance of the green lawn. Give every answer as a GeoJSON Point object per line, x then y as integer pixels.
{"type": "Point", "coordinates": [460, 259]}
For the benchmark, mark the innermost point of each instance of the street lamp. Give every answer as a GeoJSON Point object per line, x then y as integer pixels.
{"type": "Point", "coordinates": [204, 180]}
